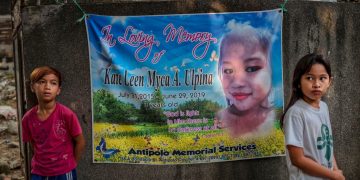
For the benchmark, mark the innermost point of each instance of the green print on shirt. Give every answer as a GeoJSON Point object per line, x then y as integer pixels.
{"type": "Point", "coordinates": [325, 141]}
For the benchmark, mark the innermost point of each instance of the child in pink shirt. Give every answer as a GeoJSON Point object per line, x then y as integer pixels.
{"type": "Point", "coordinates": [52, 129]}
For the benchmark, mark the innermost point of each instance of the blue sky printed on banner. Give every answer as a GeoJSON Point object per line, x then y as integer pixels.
{"type": "Point", "coordinates": [175, 55]}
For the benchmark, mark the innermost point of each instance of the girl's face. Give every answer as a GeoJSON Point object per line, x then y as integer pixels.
{"type": "Point", "coordinates": [246, 76]}
{"type": "Point", "coordinates": [314, 84]}
{"type": "Point", "coordinates": [47, 88]}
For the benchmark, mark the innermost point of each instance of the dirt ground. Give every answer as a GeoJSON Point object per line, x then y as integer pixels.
{"type": "Point", "coordinates": [11, 161]}
{"type": "Point", "coordinates": [10, 154]}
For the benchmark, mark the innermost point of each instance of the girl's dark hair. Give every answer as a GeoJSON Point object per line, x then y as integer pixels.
{"type": "Point", "coordinates": [303, 66]}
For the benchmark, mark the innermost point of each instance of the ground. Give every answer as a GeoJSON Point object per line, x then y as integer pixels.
{"type": "Point", "coordinates": [10, 154]}
{"type": "Point", "coordinates": [11, 161]}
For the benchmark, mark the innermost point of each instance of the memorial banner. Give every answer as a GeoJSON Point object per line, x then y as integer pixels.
{"type": "Point", "coordinates": [186, 88]}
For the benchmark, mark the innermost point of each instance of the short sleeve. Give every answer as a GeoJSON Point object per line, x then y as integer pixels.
{"type": "Point", "coordinates": [293, 128]}
{"type": "Point", "coordinates": [74, 125]}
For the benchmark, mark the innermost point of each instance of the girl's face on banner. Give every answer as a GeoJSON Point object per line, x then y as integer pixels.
{"type": "Point", "coordinates": [246, 76]}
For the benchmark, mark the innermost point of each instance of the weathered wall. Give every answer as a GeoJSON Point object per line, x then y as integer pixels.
{"type": "Point", "coordinates": [51, 36]}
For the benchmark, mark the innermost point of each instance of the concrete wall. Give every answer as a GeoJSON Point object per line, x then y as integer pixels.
{"type": "Point", "coordinates": [51, 36]}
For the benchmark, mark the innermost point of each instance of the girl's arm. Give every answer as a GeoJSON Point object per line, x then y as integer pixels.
{"type": "Point", "coordinates": [311, 167]}
{"type": "Point", "coordinates": [79, 147]}
{"type": "Point", "coordinates": [336, 167]}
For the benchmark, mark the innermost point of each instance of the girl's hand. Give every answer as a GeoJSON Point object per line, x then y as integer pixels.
{"type": "Point", "coordinates": [338, 175]}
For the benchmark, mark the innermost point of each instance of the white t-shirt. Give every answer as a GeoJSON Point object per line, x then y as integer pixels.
{"type": "Point", "coordinates": [309, 128]}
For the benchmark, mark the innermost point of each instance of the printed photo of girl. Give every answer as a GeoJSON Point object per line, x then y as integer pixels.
{"type": "Point", "coordinates": [245, 74]}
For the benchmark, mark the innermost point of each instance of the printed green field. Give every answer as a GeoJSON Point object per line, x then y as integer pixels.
{"type": "Point", "coordinates": [148, 143]}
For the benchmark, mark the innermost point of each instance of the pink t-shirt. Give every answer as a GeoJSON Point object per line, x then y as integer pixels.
{"type": "Point", "coordinates": [52, 140]}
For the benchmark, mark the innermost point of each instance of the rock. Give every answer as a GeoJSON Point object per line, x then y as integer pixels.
{"type": "Point", "coordinates": [7, 113]}
{"type": "Point", "coordinates": [2, 129]}
{"type": "Point", "coordinates": [4, 177]}
{"type": "Point", "coordinates": [10, 157]}
{"type": "Point", "coordinates": [9, 92]}
{"type": "Point", "coordinates": [15, 177]}
{"type": "Point", "coordinates": [15, 164]}
{"type": "Point", "coordinates": [12, 127]}
{"type": "Point", "coordinates": [4, 168]}
{"type": "Point", "coordinates": [14, 145]}
{"type": "Point", "coordinates": [7, 89]}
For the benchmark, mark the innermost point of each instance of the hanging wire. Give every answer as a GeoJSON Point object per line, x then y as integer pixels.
{"type": "Point", "coordinates": [79, 7]}
{"type": "Point", "coordinates": [282, 6]}
{"type": "Point", "coordinates": [82, 10]}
